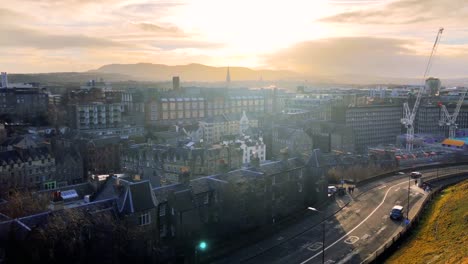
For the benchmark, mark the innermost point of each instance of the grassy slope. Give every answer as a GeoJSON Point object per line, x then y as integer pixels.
{"type": "Point", "coordinates": [449, 244]}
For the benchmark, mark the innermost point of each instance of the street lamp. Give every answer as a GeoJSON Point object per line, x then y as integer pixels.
{"type": "Point", "coordinates": [323, 231]}
{"type": "Point", "coordinates": [202, 246]}
{"type": "Point", "coordinates": [409, 186]}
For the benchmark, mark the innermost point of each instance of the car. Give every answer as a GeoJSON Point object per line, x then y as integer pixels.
{"type": "Point", "coordinates": [332, 189]}
{"type": "Point", "coordinates": [397, 212]}
{"type": "Point", "coordinates": [415, 175]}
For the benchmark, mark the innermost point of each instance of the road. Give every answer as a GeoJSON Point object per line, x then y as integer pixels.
{"type": "Point", "coordinates": [351, 234]}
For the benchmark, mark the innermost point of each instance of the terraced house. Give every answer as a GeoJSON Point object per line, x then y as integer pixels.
{"type": "Point", "coordinates": [164, 223]}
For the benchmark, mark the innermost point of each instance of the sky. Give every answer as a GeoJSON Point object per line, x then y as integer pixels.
{"type": "Point", "coordinates": [390, 38]}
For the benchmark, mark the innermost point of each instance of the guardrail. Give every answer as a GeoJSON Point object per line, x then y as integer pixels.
{"type": "Point", "coordinates": [392, 244]}
{"type": "Point", "coordinates": [421, 167]}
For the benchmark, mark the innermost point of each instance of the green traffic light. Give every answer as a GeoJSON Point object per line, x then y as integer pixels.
{"type": "Point", "coordinates": [202, 245]}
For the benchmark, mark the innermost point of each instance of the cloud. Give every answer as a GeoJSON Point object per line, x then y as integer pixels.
{"type": "Point", "coordinates": [24, 37]}
{"type": "Point", "coordinates": [368, 56]}
{"type": "Point", "coordinates": [160, 30]}
{"type": "Point", "coordinates": [151, 7]}
{"type": "Point", "coordinates": [405, 12]}
{"type": "Point", "coordinates": [171, 44]}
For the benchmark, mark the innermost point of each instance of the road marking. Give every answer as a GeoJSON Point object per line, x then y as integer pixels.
{"type": "Point", "coordinates": [330, 261]}
{"type": "Point", "coordinates": [364, 237]}
{"type": "Point", "coordinates": [348, 257]}
{"type": "Point", "coordinates": [381, 229]}
{"type": "Point", "coordinates": [351, 240]}
{"type": "Point", "coordinates": [356, 227]}
{"type": "Point", "coordinates": [381, 187]}
{"type": "Point", "coordinates": [314, 247]}
{"type": "Point", "coordinates": [397, 189]}
{"type": "Point", "coordinates": [280, 238]}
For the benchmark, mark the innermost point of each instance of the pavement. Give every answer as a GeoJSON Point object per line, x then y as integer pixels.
{"type": "Point", "coordinates": [356, 225]}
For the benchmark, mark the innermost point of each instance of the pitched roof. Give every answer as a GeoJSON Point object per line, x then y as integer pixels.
{"type": "Point", "coordinates": [137, 197]}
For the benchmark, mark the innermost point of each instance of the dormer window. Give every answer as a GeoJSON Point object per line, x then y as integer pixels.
{"type": "Point", "coordinates": [144, 219]}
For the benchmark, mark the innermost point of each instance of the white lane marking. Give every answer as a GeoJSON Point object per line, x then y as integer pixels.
{"type": "Point", "coordinates": [381, 187]}
{"type": "Point", "coordinates": [397, 189]}
{"type": "Point", "coordinates": [364, 237]}
{"type": "Point", "coordinates": [381, 229]}
{"type": "Point", "coordinates": [351, 240]}
{"type": "Point", "coordinates": [280, 238]}
{"type": "Point", "coordinates": [348, 257]}
{"type": "Point", "coordinates": [356, 227]}
{"type": "Point", "coordinates": [314, 247]}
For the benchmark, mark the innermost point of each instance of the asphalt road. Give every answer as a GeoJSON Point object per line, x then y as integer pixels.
{"type": "Point", "coordinates": [351, 234]}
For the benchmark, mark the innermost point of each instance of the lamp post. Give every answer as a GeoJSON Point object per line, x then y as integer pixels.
{"type": "Point", "coordinates": [323, 231]}
{"type": "Point", "coordinates": [409, 186]}
{"type": "Point", "coordinates": [202, 246]}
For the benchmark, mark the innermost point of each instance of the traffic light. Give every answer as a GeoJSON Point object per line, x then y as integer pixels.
{"type": "Point", "coordinates": [202, 245]}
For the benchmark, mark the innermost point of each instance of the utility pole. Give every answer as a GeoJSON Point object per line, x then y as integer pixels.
{"type": "Point", "coordinates": [409, 186]}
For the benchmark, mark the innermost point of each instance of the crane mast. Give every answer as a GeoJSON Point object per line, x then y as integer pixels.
{"type": "Point", "coordinates": [450, 120]}
{"type": "Point", "coordinates": [410, 114]}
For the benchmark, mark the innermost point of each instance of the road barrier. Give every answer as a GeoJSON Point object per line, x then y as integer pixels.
{"type": "Point", "coordinates": [408, 169]}
{"type": "Point", "coordinates": [387, 249]}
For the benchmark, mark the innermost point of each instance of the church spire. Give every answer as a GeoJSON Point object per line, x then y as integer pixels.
{"type": "Point", "coordinates": [228, 78]}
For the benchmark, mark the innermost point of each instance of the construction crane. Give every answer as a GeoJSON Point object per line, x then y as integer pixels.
{"type": "Point", "coordinates": [409, 115]}
{"type": "Point", "coordinates": [450, 120]}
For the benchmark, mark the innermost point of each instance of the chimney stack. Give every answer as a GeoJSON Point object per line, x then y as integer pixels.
{"type": "Point", "coordinates": [184, 176]}
{"type": "Point", "coordinates": [284, 154]}
{"type": "Point", "coordinates": [57, 201]}
{"type": "Point", "coordinates": [176, 83]}
{"type": "Point", "coordinates": [136, 177]}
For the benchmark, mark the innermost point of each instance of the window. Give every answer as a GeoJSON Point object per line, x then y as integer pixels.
{"type": "Point", "coordinates": [162, 210]}
{"type": "Point", "coordinates": [144, 219]}
{"type": "Point", "coordinates": [162, 231]}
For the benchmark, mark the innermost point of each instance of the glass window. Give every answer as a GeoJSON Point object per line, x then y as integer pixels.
{"type": "Point", "coordinates": [144, 219]}
{"type": "Point", "coordinates": [162, 210]}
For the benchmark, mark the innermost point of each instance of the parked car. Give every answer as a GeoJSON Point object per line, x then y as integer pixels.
{"type": "Point", "coordinates": [332, 189]}
{"type": "Point", "coordinates": [415, 175]}
{"type": "Point", "coordinates": [397, 212]}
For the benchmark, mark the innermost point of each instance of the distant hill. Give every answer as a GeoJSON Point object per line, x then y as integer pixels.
{"type": "Point", "coordinates": [192, 72]}
{"type": "Point", "coordinates": [208, 75]}
{"type": "Point", "coordinates": [65, 77]}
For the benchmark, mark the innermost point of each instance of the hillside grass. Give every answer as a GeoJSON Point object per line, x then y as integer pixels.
{"type": "Point", "coordinates": [442, 235]}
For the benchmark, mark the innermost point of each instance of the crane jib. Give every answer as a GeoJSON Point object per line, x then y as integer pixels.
{"type": "Point", "coordinates": [411, 114]}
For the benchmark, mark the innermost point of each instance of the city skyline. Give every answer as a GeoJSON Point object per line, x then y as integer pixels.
{"type": "Point", "coordinates": [346, 37]}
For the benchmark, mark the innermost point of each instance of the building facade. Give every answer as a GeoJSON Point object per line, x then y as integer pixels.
{"type": "Point", "coordinates": [23, 104]}
{"type": "Point", "coordinates": [371, 125]}
{"type": "Point", "coordinates": [96, 115]}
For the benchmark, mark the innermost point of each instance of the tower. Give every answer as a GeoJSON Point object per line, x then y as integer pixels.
{"type": "Point", "coordinates": [244, 123]}
{"type": "Point", "coordinates": [228, 78]}
{"type": "Point", "coordinates": [432, 86]}
{"type": "Point", "coordinates": [176, 83]}
{"type": "Point", "coordinates": [4, 83]}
